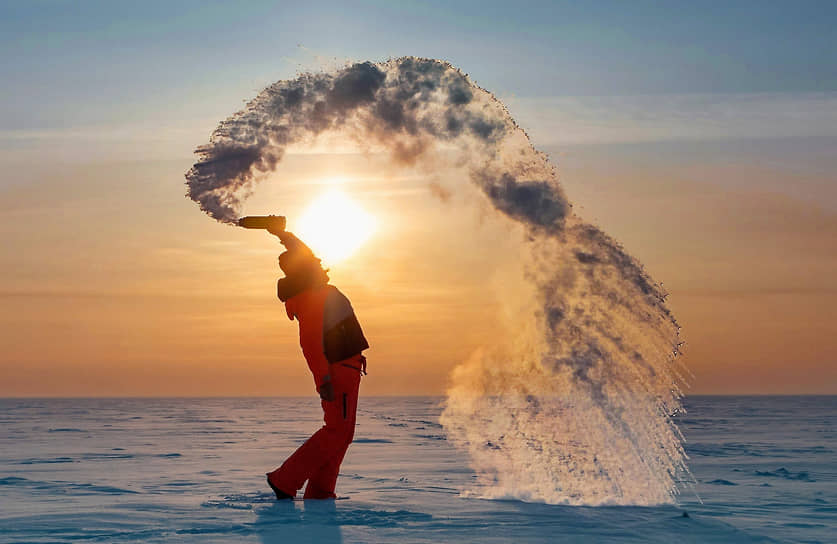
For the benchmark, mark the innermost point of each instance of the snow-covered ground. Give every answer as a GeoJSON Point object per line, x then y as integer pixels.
{"type": "Point", "coordinates": [192, 470]}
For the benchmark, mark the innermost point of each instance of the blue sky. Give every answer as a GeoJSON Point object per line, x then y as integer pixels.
{"type": "Point", "coordinates": [68, 63]}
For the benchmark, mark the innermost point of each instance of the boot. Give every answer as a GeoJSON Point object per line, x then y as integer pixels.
{"type": "Point", "coordinates": [280, 495]}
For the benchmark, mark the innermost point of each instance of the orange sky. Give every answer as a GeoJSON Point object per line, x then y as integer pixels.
{"type": "Point", "coordinates": [751, 273]}
{"type": "Point", "coordinates": [115, 284]}
{"type": "Point", "coordinates": [700, 136]}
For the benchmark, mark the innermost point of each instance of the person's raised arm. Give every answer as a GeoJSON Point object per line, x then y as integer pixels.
{"type": "Point", "coordinates": [289, 240]}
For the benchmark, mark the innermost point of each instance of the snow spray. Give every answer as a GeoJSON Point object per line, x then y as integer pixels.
{"type": "Point", "coordinates": [576, 407]}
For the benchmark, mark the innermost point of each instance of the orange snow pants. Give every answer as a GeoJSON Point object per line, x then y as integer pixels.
{"type": "Point", "coordinates": [318, 459]}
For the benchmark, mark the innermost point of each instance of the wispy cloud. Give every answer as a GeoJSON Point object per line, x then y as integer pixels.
{"type": "Point", "coordinates": [678, 117]}
{"type": "Point", "coordinates": [125, 140]}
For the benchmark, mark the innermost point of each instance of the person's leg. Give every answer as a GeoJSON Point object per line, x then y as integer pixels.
{"type": "Point", "coordinates": [313, 454]}
{"type": "Point", "coordinates": [322, 482]}
{"type": "Point", "coordinates": [327, 443]}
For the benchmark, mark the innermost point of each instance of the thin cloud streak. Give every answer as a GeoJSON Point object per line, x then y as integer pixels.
{"type": "Point", "coordinates": [576, 120]}
{"type": "Point", "coordinates": [556, 120]}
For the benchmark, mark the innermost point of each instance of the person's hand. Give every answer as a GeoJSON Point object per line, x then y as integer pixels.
{"type": "Point", "coordinates": [288, 239]}
{"type": "Point", "coordinates": [327, 390]}
{"type": "Point", "coordinates": [275, 231]}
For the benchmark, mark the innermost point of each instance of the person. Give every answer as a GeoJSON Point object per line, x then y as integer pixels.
{"type": "Point", "coordinates": [332, 343]}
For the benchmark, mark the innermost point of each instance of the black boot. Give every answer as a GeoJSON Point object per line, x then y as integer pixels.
{"type": "Point", "coordinates": [280, 495]}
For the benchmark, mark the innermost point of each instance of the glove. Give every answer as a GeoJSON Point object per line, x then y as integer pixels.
{"type": "Point", "coordinates": [275, 230]}
{"type": "Point", "coordinates": [326, 390]}
{"type": "Point", "coordinates": [288, 239]}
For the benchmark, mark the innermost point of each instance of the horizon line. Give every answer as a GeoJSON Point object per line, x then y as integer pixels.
{"type": "Point", "coordinates": [139, 397]}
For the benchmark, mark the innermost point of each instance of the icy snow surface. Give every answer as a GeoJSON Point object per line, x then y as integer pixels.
{"type": "Point", "coordinates": [192, 470]}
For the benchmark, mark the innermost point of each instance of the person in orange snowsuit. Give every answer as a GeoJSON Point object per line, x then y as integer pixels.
{"type": "Point", "coordinates": [332, 343]}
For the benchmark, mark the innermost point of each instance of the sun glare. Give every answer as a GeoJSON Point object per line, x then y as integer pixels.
{"type": "Point", "coordinates": [335, 226]}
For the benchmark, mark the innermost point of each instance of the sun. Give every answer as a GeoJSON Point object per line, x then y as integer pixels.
{"type": "Point", "coordinates": [335, 226]}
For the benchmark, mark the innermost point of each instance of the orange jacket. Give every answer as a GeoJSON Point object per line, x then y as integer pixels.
{"type": "Point", "coordinates": [329, 331]}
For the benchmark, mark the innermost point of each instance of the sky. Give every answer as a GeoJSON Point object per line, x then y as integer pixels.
{"type": "Point", "coordinates": [699, 134]}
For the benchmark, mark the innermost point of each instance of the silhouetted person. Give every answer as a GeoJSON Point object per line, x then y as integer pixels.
{"type": "Point", "coordinates": [332, 343]}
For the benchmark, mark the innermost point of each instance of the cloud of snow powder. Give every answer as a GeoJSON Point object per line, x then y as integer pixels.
{"type": "Point", "coordinates": [574, 406]}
